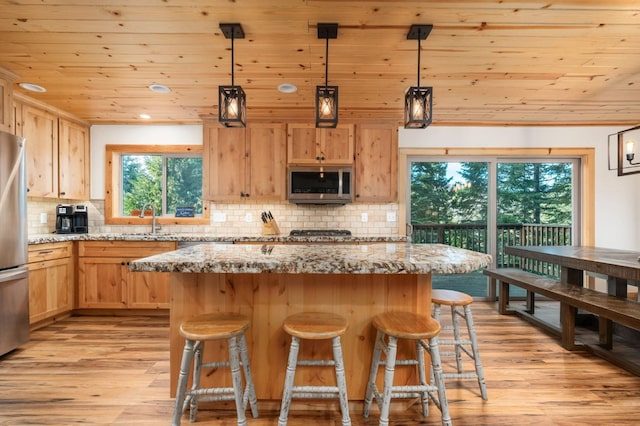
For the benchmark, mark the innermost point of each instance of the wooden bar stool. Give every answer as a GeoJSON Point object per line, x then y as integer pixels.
{"type": "Point", "coordinates": [424, 332]}
{"type": "Point", "coordinates": [215, 326]}
{"type": "Point", "coordinates": [315, 326]}
{"type": "Point", "coordinates": [460, 304]}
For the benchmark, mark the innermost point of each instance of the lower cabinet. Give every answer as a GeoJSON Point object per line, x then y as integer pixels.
{"type": "Point", "coordinates": [104, 279]}
{"type": "Point", "coordinates": [51, 269]}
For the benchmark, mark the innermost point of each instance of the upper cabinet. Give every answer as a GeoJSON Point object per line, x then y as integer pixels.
{"type": "Point", "coordinates": [73, 160]}
{"type": "Point", "coordinates": [6, 100]}
{"type": "Point", "coordinates": [40, 129]}
{"type": "Point", "coordinates": [244, 163]}
{"type": "Point", "coordinates": [308, 145]}
{"type": "Point", "coordinates": [376, 166]}
{"type": "Point", "coordinates": [57, 152]}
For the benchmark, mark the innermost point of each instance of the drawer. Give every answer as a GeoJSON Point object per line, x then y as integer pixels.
{"type": "Point", "coordinates": [49, 251]}
{"type": "Point", "coordinates": [131, 249]}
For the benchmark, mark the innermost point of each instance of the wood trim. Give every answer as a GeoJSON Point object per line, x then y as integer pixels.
{"type": "Point", "coordinates": [587, 176]}
{"type": "Point", "coordinates": [112, 185]}
{"type": "Point", "coordinates": [23, 99]}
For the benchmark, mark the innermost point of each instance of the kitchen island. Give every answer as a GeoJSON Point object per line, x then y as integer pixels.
{"type": "Point", "coordinates": [270, 282]}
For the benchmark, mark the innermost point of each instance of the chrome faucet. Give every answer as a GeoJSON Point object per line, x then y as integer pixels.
{"type": "Point", "coordinates": [154, 227]}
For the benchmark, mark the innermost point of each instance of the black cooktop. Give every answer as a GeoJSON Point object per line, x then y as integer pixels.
{"type": "Point", "coordinates": [319, 233]}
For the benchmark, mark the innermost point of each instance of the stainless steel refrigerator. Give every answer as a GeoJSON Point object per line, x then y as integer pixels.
{"type": "Point", "coordinates": [14, 284]}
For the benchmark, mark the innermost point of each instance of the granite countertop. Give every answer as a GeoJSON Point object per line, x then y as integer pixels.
{"type": "Point", "coordinates": [56, 238]}
{"type": "Point", "coordinates": [391, 258]}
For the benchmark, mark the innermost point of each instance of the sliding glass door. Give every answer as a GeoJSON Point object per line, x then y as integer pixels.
{"type": "Point", "coordinates": [483, 204]}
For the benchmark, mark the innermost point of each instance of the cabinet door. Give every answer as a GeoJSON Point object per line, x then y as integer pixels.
{"type": "Point", "coordinates": [266, 163]}
{"type": "Point", "coordinates": [148, 290]}
{"type": "Point", "coordinates": [308, 145]}
{"type": "Point", "coordinates": [376, 169]}
{"type": "Point", "coordinates": [337, 145]}
{"type": "Point", "coordinates": [223, 161]}
{"type": "Point", "coordinates": [102, 282]}
{"type": "Point", "coordinates": [40, 129]}
{"type": "Point", "coordinates": [50, 288]}
{"type": "Point", "coordinates": [73, 160]}
{"type": "Point", "coordinates": [303, 144]}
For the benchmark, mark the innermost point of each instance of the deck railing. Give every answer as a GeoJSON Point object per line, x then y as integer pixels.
{"type": "Point", "coordinates": [474, 237]}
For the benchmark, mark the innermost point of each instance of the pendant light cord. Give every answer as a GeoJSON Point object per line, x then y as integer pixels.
{"type": "Point", "coordinates": [419, 39]}
{"type": "Point", "coordinates": [326, 64]}
{"type": "Point", "coordinates": [232, 37]}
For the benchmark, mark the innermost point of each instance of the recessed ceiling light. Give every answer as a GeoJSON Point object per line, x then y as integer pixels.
{"type": "Point", "coordinates": [32, 87]}
{"type": "Point", "coordinates": [145, 116]}
{"type": "Point", "coordinates": [159, 88]}
{"type": "Point", "coordinates": [287, 88]}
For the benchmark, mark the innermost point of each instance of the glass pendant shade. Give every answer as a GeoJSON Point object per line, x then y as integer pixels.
{"type": "Point", "coordinates": [326, 106]}
{"type": "Point", "coordinates": [233, 106]}
{"type": "Point", "coordinates": [418, 103]}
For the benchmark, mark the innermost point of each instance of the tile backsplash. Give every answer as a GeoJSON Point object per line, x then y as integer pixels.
{"type": "Point", "coordinates": [239, 219]}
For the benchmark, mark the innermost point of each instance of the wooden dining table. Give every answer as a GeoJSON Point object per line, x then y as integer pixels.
{"type": "Point", "coordinates": [618, 267]}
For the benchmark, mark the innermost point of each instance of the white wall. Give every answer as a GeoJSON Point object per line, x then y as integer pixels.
{"type": "Point", "coordinates": [617, 199]}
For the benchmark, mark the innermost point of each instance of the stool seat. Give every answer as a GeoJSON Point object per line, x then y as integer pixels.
{"type": "Point", "coordinates": [406, 325]}
{"type": "Point", "coordinates": [315, 325]}
{"type": "Point", "coordinates": [450, 298]}
{"type": "Point", "coordinates": [214, 326]}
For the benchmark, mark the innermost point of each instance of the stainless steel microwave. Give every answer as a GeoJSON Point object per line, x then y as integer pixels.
{"type": "Point", "coordinates": [320, 184]}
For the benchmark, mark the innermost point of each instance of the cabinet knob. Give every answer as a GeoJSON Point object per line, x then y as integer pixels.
{"type": "Point", "coordinates": [63, 193]}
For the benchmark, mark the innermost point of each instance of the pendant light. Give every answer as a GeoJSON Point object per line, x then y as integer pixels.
{"type": "Point", "coordinates": [418, 101]}
{"type": "Point", "coordinates": [232, 101]}
{"type": "Point", "coordinates": [327, 96]}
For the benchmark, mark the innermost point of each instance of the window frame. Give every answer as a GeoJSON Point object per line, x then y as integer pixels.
{"type": "Point", "coordinates": [113, 184]}
{"type": "Point", "coordinates": [586, 179]}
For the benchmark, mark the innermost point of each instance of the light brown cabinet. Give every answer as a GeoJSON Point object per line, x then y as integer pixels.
{"type": "Point", "coordinates": [308, 145]}
{"type": "Point", "coordinates": [57, 153]}
{"type": "Point", "coordinates": [51, 280]}
{"type": "Point", "coordinates": [40, 129]}
{"type": "Point", "coordinates": [104, 279]}
{"type": "Point", "coordinates": [244, 163]}
{"type": "Point", "coordinates": [376, 165]}
{"type": "Point", "coordinates": [6, 100]}
{"type": "Point", "coordinates": [73, 160]}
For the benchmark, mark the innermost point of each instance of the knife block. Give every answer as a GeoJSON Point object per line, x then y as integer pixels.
{"type": "Point", "coordinates": [270, 228]}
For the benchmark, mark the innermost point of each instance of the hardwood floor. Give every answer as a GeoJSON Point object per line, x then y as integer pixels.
{"type": "Point", "coordinates": [114, 371]}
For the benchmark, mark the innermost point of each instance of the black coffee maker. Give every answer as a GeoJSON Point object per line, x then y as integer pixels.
{"type": "Point", "coordinates": [80, 220]}
{"type": "Point", "coordinates": [64, 219]}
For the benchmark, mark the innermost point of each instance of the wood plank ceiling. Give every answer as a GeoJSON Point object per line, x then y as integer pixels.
{"type": "Point", "coordinates": [499, 62]}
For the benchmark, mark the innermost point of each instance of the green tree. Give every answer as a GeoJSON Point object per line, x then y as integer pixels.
{"type": "Point", "coordinates": [145, 185]}
{"type": "Point", "coordinates": [534, 193]}
{"type": "Point", "coordinates": [430, 198]}
{"type": "Point", "coordinates": [469, 198]}
{"type": "Point", "coordinates": [184, 183]}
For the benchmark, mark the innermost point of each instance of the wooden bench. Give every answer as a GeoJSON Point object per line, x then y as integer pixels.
{"type": "Point", "coordinates": [608, 308]}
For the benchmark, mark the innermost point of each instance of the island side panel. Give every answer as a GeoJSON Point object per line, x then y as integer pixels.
{"type": "Point", "coordinates": [269, 298]}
